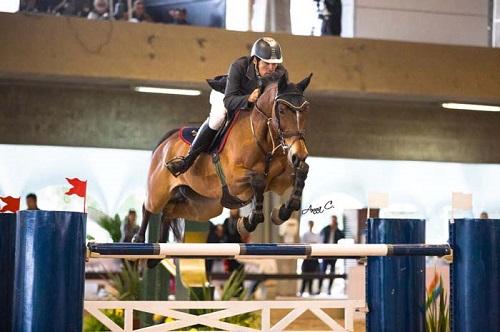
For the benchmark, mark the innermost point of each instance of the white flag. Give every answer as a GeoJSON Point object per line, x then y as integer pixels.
{"type": "Point", "coordinates": [378, 200]}
{"type": "Point", "coordinates": [461, 201]}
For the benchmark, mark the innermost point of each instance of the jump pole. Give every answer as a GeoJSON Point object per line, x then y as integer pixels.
{"type": "Point", "coordinates": [256, 250]}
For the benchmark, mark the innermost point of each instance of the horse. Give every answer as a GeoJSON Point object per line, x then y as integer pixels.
{"type": "Point", "coordinates": [265, 151]}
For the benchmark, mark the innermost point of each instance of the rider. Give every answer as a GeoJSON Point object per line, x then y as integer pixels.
{"type": "Point", "coordinates": [242, 91]}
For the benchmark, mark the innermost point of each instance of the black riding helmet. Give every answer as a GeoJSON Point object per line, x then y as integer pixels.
{"type": "Point", "coordinates": [267, 49]}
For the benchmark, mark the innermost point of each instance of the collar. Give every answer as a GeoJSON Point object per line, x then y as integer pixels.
{"type": "Point", "coordinates": [251, 74]}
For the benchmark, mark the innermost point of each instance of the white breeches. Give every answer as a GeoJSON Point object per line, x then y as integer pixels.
{"type": "Point", "coordinates": [217, 111]}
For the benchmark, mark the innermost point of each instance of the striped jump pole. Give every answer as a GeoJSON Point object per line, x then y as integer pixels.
{"type": "Point", "coordinates": [255, 250]}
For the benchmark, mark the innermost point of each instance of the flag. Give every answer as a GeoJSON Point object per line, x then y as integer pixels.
{"type": "Point", "coordinates": [79, 187]}
{"type": "Point", "coordinates": [378, 200]}
{"type": "Point", "coordinates": [12, 204]}
{"type": "Point", "coordinates": [461, 201]}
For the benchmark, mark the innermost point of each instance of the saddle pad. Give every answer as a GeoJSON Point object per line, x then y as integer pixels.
{"type": "Point", "coordinates": [187, 135]}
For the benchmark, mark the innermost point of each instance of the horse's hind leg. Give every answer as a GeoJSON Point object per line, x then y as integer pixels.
{"type": "Point", "coordinates": [141, 234]}
{"type": "Point", "coordinates": [164, 231]}
{"type": "Point", "coordinates": [293, 204]}
{"type": "Point", "coordinates": [247, 225]}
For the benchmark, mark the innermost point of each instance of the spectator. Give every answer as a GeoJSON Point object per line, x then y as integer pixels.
{"type": "Point", "coordinates": [82, 9]}
{"type": "Point", "coordinates": [129, 226]}
{"type": "Point", "coordinates": [215, 235]}
{"type": "Point", "coordinates": [231, 235]}
{"type": "Point", "coordinates": [179, 16]}
{"type": "Point", "coordinates": [310, 265]}
{"type": "Point", "coordinates": [139, 13]}
{"type": "Point", "coordinates": [31, 202]}
{"type": "Point", "coordinates": [100, 11]}
{"type": "Point", "coordinates": [63, 7]}
{"type": "Point", "coordinates": [29, 6]}
{"type": "Point", "coordinates": [484, 215]}
{"type": "Point", "coordinates": [330, 234]}
{"type": "Point", "coordinates": [120, 10]}
{"type": "Point", "coordinates": [230, 230]}
{"type": "Point", "coordinates": [332, 18]}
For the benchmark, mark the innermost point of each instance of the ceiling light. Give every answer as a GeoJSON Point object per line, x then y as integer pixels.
{"type": "Point", "coordinates": [472, 107]}
{"type": "Point", "coordinates": [182, 92]}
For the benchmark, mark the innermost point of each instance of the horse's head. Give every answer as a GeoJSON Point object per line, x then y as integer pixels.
{"type": "Point", "coordinates": [288, 114]}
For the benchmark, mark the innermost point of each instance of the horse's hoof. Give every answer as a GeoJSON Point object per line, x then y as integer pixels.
{"type": "Point", "coordinates": [138, 238]}
{"type": "Point", "coordinates": [275, 219]}
{"type": "Point", "coordinates": [293, 205]}
{"type": "Point", "coordinates": [152, 263]}
{"type": "Point", "coordinates": [256, 218]}
{"type": "Point", "coordinates": [240, 226]}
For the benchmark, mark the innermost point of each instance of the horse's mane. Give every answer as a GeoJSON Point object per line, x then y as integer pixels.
{"type": "Point", "coordinates": [271, 79]}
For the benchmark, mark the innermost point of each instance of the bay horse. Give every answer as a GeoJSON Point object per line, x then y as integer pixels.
{"type": "Point", "coordinates": [265, 151]}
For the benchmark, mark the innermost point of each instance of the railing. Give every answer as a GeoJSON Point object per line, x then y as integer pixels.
{"type": "Point", "coordinates": [179, 311]}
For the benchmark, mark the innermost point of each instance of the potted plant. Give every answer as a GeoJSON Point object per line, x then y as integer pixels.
{"type": "Point", "coordinates": [436, 307]}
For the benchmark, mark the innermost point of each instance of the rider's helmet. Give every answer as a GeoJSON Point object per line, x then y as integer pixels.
{"type": "Point", "coordinates": [267, 49]}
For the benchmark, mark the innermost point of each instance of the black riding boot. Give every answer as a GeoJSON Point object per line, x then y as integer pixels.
{"type": "Point", "coordinates": [201, 142]}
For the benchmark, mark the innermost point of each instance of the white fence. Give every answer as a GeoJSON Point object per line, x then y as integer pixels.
{"type": "Point", "coordinates": [178, 311]}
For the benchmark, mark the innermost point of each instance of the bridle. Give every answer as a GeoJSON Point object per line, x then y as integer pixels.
{"type": "Point", "coordinates": [282, 134]}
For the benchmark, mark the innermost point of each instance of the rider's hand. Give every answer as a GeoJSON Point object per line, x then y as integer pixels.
{"type": "Point", "coordinates": [254, 96]}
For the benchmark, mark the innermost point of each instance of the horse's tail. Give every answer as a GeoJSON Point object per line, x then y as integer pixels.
{"type": "Point", "coordinates": [175, 225]}
{"type": "Point", "coordinates": [178, 229]}
{"type": "Point", "coordinates": [165, 137]}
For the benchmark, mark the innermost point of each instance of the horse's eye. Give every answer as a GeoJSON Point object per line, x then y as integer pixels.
{"type": "Point", "coordinates": [281, 109]}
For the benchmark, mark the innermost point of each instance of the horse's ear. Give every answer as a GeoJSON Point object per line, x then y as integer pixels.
{"type": "Point", "coordinates": [282, 83]}
{"type": "Point", "coordinates": [302, 85]}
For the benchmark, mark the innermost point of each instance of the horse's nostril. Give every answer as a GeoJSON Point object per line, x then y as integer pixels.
{"type": "Point", "coordinates": [295, 160]}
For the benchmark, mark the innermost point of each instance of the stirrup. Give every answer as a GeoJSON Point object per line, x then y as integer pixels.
{"type": "Point", "coordinates": [169, 166]}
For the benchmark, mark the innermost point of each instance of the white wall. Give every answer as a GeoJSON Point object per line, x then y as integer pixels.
{"type": "Point", "coordinates": [496, 24]}
{"type": "Point", "coordinates": [416, 189]}
{"type": "Point", "coordinates": [461, 22]}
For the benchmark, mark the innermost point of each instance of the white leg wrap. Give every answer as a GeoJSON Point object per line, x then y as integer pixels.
{"type": "Point", "coordinates": [217, 111]}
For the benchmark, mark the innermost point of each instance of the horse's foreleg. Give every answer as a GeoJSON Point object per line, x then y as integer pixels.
{"type": "Point", "coordinates": [247, 225]}
{"type": "Point", "coordinates": [141, 234]}
{"type": "Point", "coordinates": [293, 204]}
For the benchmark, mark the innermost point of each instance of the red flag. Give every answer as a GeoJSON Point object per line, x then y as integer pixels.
{"type": "Point", "coordinates": [12, 204]}
{"type": "Point", "coordinates": [79, 187]}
